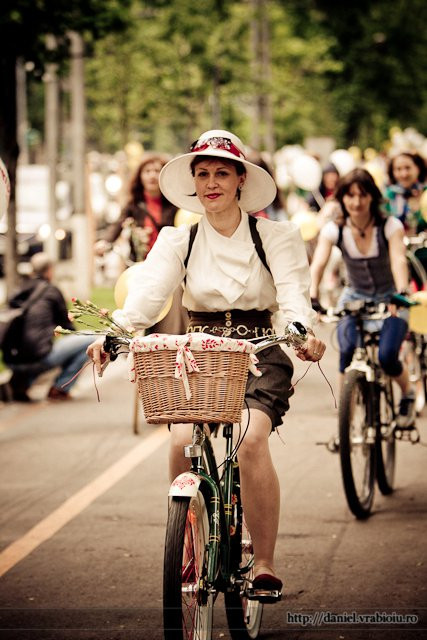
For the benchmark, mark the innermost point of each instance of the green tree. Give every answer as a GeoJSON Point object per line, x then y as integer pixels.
{"type": "Point", "coordinates": [381, 51]}
{"type": "Point", "coordinates": [24, 25]}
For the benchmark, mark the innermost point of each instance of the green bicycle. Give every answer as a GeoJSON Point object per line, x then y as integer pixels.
{"type": "Point", "coordinates": [208, 547]}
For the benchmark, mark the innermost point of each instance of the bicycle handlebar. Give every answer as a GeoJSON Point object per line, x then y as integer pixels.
{"type": "Point", "coordinates": [295, 335]}
{"type": "Point", "coordinates": [370, 309]}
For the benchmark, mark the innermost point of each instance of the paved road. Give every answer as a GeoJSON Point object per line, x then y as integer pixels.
{"type": "Point", "coordinates": [83, 510]}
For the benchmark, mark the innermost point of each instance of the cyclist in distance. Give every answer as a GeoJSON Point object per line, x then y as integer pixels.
{"type": "Point", "coordinates": [145, 213]}
{"type": "Point", "coordinates": [407, 173]}
{"type": "Point", "coordinates": [229, 291]}
{"type": "Point", "coordinates": [374, 254]}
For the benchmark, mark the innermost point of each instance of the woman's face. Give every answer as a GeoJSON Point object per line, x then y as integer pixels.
{"type": "Point", "coordinates": [330, 179]}
{"type": "Point", "coordinates": [357, 203]}
{"type": "Point", "coordinates": [216, 184]}
{"type": "Point", "coordinates": [150, 177]}
{"type": "Point", "coordinates": [405, 171]}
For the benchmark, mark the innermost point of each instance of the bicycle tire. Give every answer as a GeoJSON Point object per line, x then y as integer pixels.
{"type": "Point", "coordinates": [385, 444]}
{"type": "Point", "coordinates": [357, 453]}
{"type": "Point", "coordinates": [187, 605]}
{"type": "Point", "coordinates": [412, 355]}
{"type": "Point", "coordinates": [244, 616]}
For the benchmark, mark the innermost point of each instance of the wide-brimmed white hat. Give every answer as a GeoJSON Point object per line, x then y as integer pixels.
{"type": "Point", "coordinates": [177, 183]}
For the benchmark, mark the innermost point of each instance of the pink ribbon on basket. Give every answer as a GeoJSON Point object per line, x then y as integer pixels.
{"type": "Point", "coordinates": [184, 362]}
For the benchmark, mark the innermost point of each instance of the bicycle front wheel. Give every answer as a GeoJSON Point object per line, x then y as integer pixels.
{"type": "Point", "coordinates": [385, 440]}
{"type": "Point", "coordinates": [187, 602]}
{"type": "Point", "coordinates": [357, 444]}
{"type": "Point", "coordinates": [243, 615]}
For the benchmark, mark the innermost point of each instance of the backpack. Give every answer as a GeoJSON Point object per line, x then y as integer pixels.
{"type": "Point", "coordinates": [12, 319]}
{"type": "Point", "coordinates": [256, 238]}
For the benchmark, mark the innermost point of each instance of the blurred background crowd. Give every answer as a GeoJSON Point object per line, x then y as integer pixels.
{"type": "Point", "coordinates": [93, 91]}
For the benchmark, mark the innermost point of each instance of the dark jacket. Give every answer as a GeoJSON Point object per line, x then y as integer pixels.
{"type": "Point", "coordinates": [47, 312]}
{"type": "Point", "coordinates": [139, 213]}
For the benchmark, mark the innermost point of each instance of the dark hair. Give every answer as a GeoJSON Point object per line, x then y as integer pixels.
{"type": "Point", "coordinates": [366, 184]}
{"type": "Point", "coordinates": [416, 159]}
{"type": "Point", "coordinates": [136, 188]}
{"type": "Point", "coordinates": [239, 166]}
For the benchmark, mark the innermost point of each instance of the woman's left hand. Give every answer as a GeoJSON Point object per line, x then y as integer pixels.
{"type": "Point", "coordinates": [312, 350]}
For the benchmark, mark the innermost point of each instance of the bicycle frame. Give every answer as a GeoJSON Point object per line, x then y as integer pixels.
{"type": "Point", "coordinates": [219, 493]}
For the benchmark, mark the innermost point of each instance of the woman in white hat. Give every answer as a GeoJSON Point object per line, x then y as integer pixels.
{"type": "Point", "coordinates": [234, 277]}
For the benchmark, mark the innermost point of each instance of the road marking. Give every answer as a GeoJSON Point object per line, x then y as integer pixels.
{"type": "Point", "coordinates": [72, 507]}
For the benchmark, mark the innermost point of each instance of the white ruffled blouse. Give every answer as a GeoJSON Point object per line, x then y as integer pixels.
{"type": "Point", "coordinates": [222, 273]}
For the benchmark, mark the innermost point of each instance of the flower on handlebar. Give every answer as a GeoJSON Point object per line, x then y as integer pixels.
{"type": "Point", "coordinates": [104, 323]}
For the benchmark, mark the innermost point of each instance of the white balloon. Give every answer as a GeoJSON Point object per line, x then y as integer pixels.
{"type": "Point", "coordinates": [306, 172]}
{"type": "Point", "coordinates": [4, 189]}
{"type": "Point", "coordinates": [283, 178]}
{"type": "Point", "coordinates": [343, 160]}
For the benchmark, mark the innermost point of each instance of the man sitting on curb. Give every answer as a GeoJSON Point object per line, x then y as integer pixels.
{"type": "Point", "coordinates": [36, 350]}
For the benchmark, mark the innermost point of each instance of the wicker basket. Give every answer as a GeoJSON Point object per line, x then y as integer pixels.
{"type": "Point", "coordinates": [217, 390]}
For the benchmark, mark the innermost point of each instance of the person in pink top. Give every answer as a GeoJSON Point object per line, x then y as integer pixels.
{"type": "Point", "coordinates": [145, 213]}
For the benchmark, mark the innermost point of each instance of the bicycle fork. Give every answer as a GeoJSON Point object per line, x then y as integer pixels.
{"type": "Point", "coordinates": [188, 484]}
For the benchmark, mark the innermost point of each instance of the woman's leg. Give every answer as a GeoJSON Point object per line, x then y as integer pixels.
{"type": "Point", "coordinates": [181, 434]}
{"type": "Point", "coordinates": [392, 335]}
{"type": "Point", "coordinates": [68, 353]}
{"type": "Point", "coordinates": [347, 340]}
{"type": "Point", "coordinates": [260, 489]}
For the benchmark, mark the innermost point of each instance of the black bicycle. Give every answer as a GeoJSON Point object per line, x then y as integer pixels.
{"type": "Point", "coordinates": [367, 417]}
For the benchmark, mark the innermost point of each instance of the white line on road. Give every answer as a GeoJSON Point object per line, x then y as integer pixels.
{"type": "Point", "coordinates": [50, 525]}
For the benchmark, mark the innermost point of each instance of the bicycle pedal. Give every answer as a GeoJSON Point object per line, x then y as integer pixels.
{"type": "Point", "coordinates": [263, 595]}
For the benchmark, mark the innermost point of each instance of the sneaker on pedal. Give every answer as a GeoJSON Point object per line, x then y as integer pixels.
{"type": "Point", "coordinates": [406, 416]}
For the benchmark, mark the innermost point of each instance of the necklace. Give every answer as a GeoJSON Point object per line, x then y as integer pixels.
{"type": "Point", "coordinates": [361, 230]}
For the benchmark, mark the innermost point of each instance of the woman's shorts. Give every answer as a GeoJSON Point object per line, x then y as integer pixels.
{"type": "Point", "coordinates": [270, 392]}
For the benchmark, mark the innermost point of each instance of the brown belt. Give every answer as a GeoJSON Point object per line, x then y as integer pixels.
{"type": "Point", "coordinates": [242, 324]}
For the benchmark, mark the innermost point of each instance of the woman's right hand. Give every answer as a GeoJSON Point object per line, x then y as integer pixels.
{"type": "Point", "coordinates": [96, 353]}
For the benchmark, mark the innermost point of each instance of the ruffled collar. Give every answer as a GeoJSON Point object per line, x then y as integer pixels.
{"type": "Point", "coordinates": [232, 257]}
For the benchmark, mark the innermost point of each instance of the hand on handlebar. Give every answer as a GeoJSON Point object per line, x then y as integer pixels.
{"type": "Point", "coordinates": [96, 353]}
{"type": "Point", "coordinates": [312, 350]}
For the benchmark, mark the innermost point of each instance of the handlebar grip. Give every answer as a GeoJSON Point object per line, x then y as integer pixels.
{"type": "Point", "coordinates": [110, 347]}
{"type": "Point", "coordinates": [402, 301]}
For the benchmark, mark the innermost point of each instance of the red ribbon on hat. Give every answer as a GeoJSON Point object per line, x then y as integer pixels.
{"type": "Point", "coordinates": [224, 144]}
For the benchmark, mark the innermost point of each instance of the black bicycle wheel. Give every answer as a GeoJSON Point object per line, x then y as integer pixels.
{"type": "Point", "coordinates": [385, 444]}
{"type": "Point", "coordinates": [412, 355]}
{"type": "Point", "coordinates": [187, 604]}
{"type": "Point", "coordinates": [243, 615]}
{"type": "Point", "coordinates": [357, 444]}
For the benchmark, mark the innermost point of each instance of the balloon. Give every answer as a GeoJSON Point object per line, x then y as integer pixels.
{"type": "Point", "coordinates": [121, 291]}
{"type": "Point", "coordinates": [186, 217]}
{"type": "Point", "coordinates": [394, 130]}
{"type": "Point", "coordinates": [418, 313]}
{"type": "Point", "coordinates": [423, 204]}
{"type": "Point", "coordinates": [376, 172]}
{"type": "Point", "coordinates": [307, 223]}
{"type": "Point", "coordinates": [4, 189]}
{"type": "Point", "coordinates": [343, 160]}
{"type": "Point", "coordinates": [370, 154]}
{"type": "Point", "coordinates": [356, 152]}
{"type": "Point", "coordinates": [306, 172]}
{"type": "Point", "coordinates": [283, 178]}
